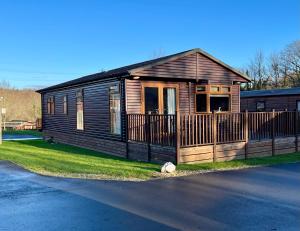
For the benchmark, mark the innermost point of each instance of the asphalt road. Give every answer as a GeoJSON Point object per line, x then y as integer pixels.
{"type": "Point", "coordinates": [266, 198]}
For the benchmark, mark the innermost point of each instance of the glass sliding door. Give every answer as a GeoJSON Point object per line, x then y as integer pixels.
{"type": "Point", "coordinates": [159, 98]}
{"type": "Point", "coordinates": [169, 100]}
{"type": "Point", "coordinates": [151, 100]}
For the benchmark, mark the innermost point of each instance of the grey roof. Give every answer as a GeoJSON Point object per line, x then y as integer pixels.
{"type": "Point", "coordinates": [130, 69]}
{"type": "Point", "coordinates": [272, 92]}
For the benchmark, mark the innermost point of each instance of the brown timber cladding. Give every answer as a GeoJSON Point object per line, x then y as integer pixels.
{"type": "Point", "coordinates": [194, 66]}
{"type": "Point", "coordinates": [279, 103]}
{"type": "Point", "coordinates": [186, 96]}
{"type": "Point", "coordinates": [232, 151]}
{"type": "Point", "coordinates": [96, 134]}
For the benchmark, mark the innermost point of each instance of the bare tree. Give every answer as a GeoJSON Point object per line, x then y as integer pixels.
{"type": "Point", "coordinates": [22, 104]}
{"type": "Point", "coordinates": [257, 71]}
{"type": "Point", "coordinates": [290, 63]}
{"type": "Point", "coordinates": [158, 53]}
{"type": "Point", "coordinates": [4, 84]}
{"type": "Point", "coordinates": [274, 70]}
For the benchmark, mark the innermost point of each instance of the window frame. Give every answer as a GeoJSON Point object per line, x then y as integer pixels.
{"type": "Point", "coordinates": [297, 101]}
{"type": "Point", "coordinates": [79, 94]}
{"type": "Point", "coordinates": [208, 92]}
{"type": "Point", "coordinates": [160, 85]}
{"type": "Point", "coordinates": [51, 105]}
{"type": "Point", "coordinates": [118, 86]}
{"type": "Point", "coordinates": [65, 105]}
{"type": "Point", "coordinates": [260, 101]}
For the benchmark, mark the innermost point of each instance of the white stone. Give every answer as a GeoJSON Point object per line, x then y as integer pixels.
{"type": "Point", "coordinates": [168, 168]}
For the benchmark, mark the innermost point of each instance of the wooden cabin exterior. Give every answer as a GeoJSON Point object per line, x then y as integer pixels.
{"type": "Point", "coordinates": [92, 111]}
{"type": "Point", "coordinates": [267, 100]}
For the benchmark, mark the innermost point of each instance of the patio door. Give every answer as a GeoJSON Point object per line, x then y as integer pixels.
{"type": "Point", "coordinates": [159, 98]}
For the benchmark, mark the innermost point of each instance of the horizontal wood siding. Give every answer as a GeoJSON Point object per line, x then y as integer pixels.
{"type": "Point", "coordinates": [279, 103]}
{"type": "Point", "coordinates": [159, 154]}
{"type": "Point", "coordinates": [193, 66]}
{"type": "Point", "coordinates": [96, 112]}
{"type": "Point", "coordinates": [184, 67]}
{"type": "Point", "coordinates": [186, 96]}
{"type": "Point", "coordinates": [134, 96]}
{"type": "Point", "coordinates": [92, 143]}
{"type": "Point", "coordinates": [200, 154]}
{"type": "Point", "coordinates": [214, 72]}
{"type": "Point", "coordinates": [232, 151]}
{"type": "Point", "coordinates": [235, 98]}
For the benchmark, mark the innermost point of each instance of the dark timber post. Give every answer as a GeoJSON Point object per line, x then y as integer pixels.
{"type": "Point", "coordinates": [296, 130]}
{"type": "Point", "coordinates": [246, 134]}
{"type": "Point", "coordinates": [148, 136]}
{"type": "Point", "coordinates": [214, 136]}
{"type": "Point", "coordinates": [127, 135]}
{"type": "Point", "coordinates": [177, 137]}
{"type": "Point", "coordinates": [273, 132]}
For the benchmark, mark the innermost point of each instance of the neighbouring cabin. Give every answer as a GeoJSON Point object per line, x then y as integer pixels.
{"type": "Point", "coordinates": [183, 108]}
{"type": "Point", "coordinates": [267, 100]}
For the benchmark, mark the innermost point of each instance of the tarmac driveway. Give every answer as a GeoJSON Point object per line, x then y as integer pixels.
{"type": "Point", "coordinates": [266, 198]}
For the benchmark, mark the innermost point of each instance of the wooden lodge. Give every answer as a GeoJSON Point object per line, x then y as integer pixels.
{"type": "Point", "coordinates": [183, 108]}
{"type": "Point", "coordinates": [267, 100]}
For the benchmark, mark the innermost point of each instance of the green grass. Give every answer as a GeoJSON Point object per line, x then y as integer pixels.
{"type": "Point", "coordinates": [42, 157]}
{"type": "Point", "coordinates": [23, 132]}
{"type": "Point", "coordinates": [64, 160]}
{"type": "Point", "coordinates": [270, 160]}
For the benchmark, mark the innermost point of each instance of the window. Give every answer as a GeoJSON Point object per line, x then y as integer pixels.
{"type": "Point", "coordinates": [219, 103]}
{"type": "Point", "coordinates": [225, 89]}
{"type": "Point", "coordinates": [115, 109]}
{"type": "Point", "coordinates": [214, 89]}
{"type": "Point", "coordinates": [50, 105]}
{"type": "Point", "coordinates": [79, 109]}
{"type": "Point", "coordinates": [169, 100]}
{"type": "Point", "coordinates": [260, 106]}
{"type": "Point", "coordinates": [211, 98]}
{"type": "Point", "coordinates": [298, 105]}
{"type": "Point", "coordinates": [201, 103]}
{"type": "Point", "coordinates": [200, 88]}
{"type": "Point", "coordinates": [65, 104]}
{"type": "Point", "coordinates": [151, 100]}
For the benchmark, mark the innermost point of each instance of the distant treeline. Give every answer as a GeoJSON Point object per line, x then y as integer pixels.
{"type": "Point", "coordinates": [279, 70]}
{"type": "Point", "coordinates": [22, 104]}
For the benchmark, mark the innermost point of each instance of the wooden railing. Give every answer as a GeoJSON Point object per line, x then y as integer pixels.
{"type": "Point", "coordinates": [196, 129]}
{"type": "Point", "coordinates": [211, 128]}
{"type": "Point", "coordinates": [152, 129]}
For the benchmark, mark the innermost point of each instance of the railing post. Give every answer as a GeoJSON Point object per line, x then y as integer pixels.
{"type": "Point", "coordinates": [214, 115]}
{"type": "Point", "coordinates": [273, 132]}
{"type": "Point", "coordinates": [246, 132]}
{"type": "Point", "coordinates": [177, 137]}
{"type": "Point", "coordinates": [148, 136]}
{"type": "Point", "coordinates": [127, 135]}
{"type": "Point", "coordinates": [296, 130]}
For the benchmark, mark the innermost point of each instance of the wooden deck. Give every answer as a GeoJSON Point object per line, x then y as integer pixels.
{"type": "Point", "coordinates": [214, 137]}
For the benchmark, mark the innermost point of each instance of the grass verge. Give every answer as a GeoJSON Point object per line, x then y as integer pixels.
{"type": "Point", "coordinates": [64, 160]}
{"type": "Point", "coordinates": [58, 159]}
{"type": "Point", "coordinates": [270, 160]}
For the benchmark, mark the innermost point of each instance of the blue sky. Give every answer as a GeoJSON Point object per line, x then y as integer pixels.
{"type": "Point", "coordinates": [47, 42]}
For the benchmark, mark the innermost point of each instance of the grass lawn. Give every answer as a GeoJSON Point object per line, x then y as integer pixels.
{"type": "Point", "coordinates": [64, 160]}
{"type": "Point", "coordinates": [23, 132]}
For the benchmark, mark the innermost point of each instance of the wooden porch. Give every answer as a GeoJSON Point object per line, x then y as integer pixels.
{"type": "Point", "coordinates": [211, 137]}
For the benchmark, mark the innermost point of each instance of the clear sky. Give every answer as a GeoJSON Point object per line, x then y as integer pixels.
{"type": "Point", "coordinates": [47, 42]}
